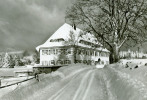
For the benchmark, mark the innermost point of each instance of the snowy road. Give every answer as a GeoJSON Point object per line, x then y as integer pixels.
{"type": "Point", "coordinates": [86, 83]}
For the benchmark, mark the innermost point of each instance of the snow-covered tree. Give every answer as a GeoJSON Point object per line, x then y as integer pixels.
{"type": "Point", "coordinates": [8, 61]}
{"type": "Point", "coordinates": [17, 61]}
{"type": "Point", "coordinates": [1, 61]}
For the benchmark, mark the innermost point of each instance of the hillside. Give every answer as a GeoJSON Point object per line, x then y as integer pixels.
{"type": "Point", "coordinates": [81, 82]}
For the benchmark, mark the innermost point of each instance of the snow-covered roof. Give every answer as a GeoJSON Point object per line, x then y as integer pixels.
{"type": "Point", "coordinates": [64, 34]}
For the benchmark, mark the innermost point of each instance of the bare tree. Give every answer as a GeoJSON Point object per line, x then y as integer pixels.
{"type": "Point", "coordinates": [73, 41]}
{"type": "Point", "coordinates": [36, 57]}
{"type": "Point", "coordinates": [113, 22]}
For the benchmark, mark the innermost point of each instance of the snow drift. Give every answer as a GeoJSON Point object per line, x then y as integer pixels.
{"type": "Point", "coordinates": [81, 82]}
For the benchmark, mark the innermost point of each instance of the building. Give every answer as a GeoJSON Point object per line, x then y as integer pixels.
{"type": "Point", "coordinates": [23, 73]}
{"type": "Point", "coordinates": [60, 48]}
{"type": "Point", "coordinates": [132, 54]}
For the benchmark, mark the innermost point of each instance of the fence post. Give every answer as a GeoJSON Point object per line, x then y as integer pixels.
{"type": "Point", "coordinates": [0, 82]}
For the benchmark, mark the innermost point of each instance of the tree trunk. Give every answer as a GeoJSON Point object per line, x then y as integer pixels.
{"type": "Point", "coordinates": [74, 54]}
{"type": "Point", "coordinates": [114, 55]}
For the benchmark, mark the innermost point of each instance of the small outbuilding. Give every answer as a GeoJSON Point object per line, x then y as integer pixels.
{"type": "Point", "coordinates": [23, 73]}
{"type": "Point", "coordinates": [46, 69]}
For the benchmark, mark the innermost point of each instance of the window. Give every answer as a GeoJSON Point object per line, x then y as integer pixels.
{"type": "Point", "coordinates": [81, 41]}
{"type": "Point", "coordinates": [61, 39]}
{"type": "Point", "coordinates": [69, 51]}
{"type": "Point", "coordinates": [44, 52]}
{"type": "Point", "coordinates": [83, 52]}
{"type": "Point", "coordinates": [91, 53]}
{"type": "Point", "coordinates": [54, 51]}
{"type": "Point", "coordinates": [51, 40]}
{"type": "Point", "coordinates": [86, 52]}
{"type": "Point", "coordinates": [87, 43]}
{"type": "Point", "coordinates": [49, 52]}
{"type": "Point", "coordinates": [52, 62]}
{"type": "Point", "coordinates": [57, 51]}
{"type": "Point", "coordinates": [59, 62]}
{"type": "Point", "coordinates": [63, 51]}
{"type": "Point", "coordinates": [46, 63]}
{"type": "Point", "coordinates": [67, 62]}
{"type": "Point", "coordinates": [95, 53]}
{"type": "Point", "coordinates": [79, 52]}
{"type": "Point", "coordinates": [57, 40]}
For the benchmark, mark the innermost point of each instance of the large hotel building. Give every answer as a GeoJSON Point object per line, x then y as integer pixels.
{"type": "Point", "coordinates": [59, 48]}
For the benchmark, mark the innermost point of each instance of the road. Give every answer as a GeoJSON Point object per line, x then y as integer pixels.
{"type": "Point", "coordinates": [85, 83]}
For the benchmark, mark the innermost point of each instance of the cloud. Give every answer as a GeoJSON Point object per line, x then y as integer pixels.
{"type": "Point", "coordinates": [24, 24]}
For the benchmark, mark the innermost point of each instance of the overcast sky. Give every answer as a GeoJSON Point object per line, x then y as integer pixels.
{"type": "Point", "coordinates": [25, 24]}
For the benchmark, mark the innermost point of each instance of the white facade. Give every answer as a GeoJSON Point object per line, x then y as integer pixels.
{"type": "Point", "coordinates": [57, 50]}
{"type": "Point", "coordinates": [132, 54]}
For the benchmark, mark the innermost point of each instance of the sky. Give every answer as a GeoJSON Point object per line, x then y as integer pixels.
{"type": "Point", "coordinates": [25, 24]}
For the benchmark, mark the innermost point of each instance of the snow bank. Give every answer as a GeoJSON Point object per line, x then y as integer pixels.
{"type": "Point", "coordinates": [82, 82]}
{"type": "Point", "coordinates": [135, 61]}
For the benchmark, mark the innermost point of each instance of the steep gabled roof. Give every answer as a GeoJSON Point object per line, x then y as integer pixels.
{"type": "Point", "coordinates": [63, 33]}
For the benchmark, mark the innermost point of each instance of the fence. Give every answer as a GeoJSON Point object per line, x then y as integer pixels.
{"type": "Point", "coordinates": [16, 83]}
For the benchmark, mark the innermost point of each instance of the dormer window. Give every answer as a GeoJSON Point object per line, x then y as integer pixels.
{"type": "Point", "coordinates": [60, 40]}
{"type": "Point", "coordinates": [57, 40]}
{"type": "Point", "coordinates": [51, 40]}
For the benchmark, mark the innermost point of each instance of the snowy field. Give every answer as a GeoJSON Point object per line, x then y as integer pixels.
{"type": "Point", "coordinates": [82, 82]}
{"type": "Point", "coordinates": [135, 61]}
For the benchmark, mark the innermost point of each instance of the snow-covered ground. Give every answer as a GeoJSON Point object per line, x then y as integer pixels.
{"type": "Point", "coordinates": [135, 61]}
{"type": "Point", "coordinates": [82, 82]}
{"type": "Point", "coordinates": [8, 81]}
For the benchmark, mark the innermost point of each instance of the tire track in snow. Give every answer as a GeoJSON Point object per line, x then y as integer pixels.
{"type": "Point", "coordinates": [110, 95]}
{"type": "Point", "coordinates": [88, 87]}
{"type": "Point", "coordinates": [47, 89]}
{"type": "Point", "coordinates": [81, 88]}
{"type": "Point", "coordinates": [59, 92]}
